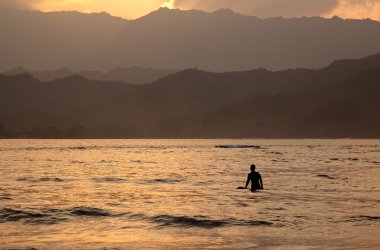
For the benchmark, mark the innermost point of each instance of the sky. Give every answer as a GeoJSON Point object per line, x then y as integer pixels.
{"type": "Point", "coordinates": [131, 9]}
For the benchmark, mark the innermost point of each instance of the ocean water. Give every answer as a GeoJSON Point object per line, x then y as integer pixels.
{"type": "Point", "coordinates": [138, 194]}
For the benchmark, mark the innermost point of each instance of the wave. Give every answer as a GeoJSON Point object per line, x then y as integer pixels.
{"type": "Point", "coordinates": [143, 162]}
{"type": "Point", "coordinates": [238, 146]}
{"type": "Point", "coordinates": [364, 218]}
{"type": "Point", "coordinates": [168, 180]}
{"type": "Point", "coordinates": [42, 217]}
{"type": "Point", "coordinates": [109, 179]}
{"type": "Point", "coordinates": [48, 216]}
{"type": "Point", "coordinates": [5, 197]}
{"type": "Point", "coordinates": [54, 216]}
{"type": "Point", "coordinates": [344, 159]}
{"type": "Point", "coordinates": [89, 211]}
{"type": "Point", "coordinates": [203, 222]}
{"type": "Point", "coordinates": [161, 181]}
{"type": "Point", "coordinates": [45, 179]}
{"type": "Point", "coordinates": [255, 223]}
{"type": "Point", "coordinates": [326, 176]}
{"type": "Point", "coordinates": [184, 221]}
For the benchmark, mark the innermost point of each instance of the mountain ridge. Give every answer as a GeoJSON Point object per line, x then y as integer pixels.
{"type": "Point", "coordinates": [133, 75]}
{"type": "Point", "coordinates": [218, 41]}
{"type": "Point", "coordinates": [333, 102]}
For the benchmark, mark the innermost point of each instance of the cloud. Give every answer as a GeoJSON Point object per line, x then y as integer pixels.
{"type": "Point", "coordinates": [357, 9]}
{"type": "Point", "coordinates": [18, 4]}
{"type": "Point", "coordinates": [263, 8]}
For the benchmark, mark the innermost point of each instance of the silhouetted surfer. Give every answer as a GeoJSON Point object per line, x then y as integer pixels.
{"type": "Point", "coordinates": [255, 179]}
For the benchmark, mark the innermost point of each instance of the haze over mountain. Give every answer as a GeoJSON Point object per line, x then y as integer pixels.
{"type": "Point", "coordinates": [133, 75]}
{"type": "Point", "coordinates": [225, 41]}
{"type": "Point", "coordinates": [341, 100]}
{"type": "Point", "coordinates": [47, 41]}
{"type": "Point", "coordinates": [174, 39]}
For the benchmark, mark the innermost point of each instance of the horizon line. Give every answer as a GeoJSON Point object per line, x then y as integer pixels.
{"type": "Point", "coordinates": [190, 10]}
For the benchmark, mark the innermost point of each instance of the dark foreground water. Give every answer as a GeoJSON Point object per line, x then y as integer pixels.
{"type": "Point", "coordinates": [58, 194]}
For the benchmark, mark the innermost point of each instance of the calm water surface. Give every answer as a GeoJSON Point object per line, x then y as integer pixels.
{"type": "Point", "coordinates": [58, 194]}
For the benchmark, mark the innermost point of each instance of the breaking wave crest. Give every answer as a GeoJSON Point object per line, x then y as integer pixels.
{"type": "Point", "coordinates": [54, 216]}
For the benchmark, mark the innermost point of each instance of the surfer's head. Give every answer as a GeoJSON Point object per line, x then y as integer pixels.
{"type": "Point", "coordinates": [253, 167]}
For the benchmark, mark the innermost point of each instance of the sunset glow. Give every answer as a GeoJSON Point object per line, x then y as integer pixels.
{"type": "Point", "coordinates": [168, 4]}
{"type": "Point", "coordinates": [357, 10]}
{"type": "Point", "coordinates": [131, 9]}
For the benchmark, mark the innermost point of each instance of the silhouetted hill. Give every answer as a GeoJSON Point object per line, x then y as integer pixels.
{"type": "Point", "coordinates": [174, 39]}
{"type": "Point", "coordinates": [27, 103]}
{"type": "Point", "coordinates": [341, 100]}
{"type": "Point", "coordinates": [133, 75]}
{"type": "Point", "coordinates": [344, 109]}
{"type": "Point", "coordinates": [225, 41]}
{"type": "Point", "coordinates": [47, 75]}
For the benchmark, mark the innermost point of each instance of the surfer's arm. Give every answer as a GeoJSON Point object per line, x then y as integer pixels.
{"type": "Point", "coordinates": [248, 179]}
{"type": "Point", "coordinates": [261, 183]}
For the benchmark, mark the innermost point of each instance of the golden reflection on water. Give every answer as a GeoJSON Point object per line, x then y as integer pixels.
{"type": "Point", "coordinates": [182, 194]}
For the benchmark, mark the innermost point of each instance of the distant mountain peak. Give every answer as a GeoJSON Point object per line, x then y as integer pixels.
{"type": "Point", "coordinates": [16, 71]}
{"type": "Point", "coordinates": [192, 70]}
{"type": "Point", "coordinates": [164, 12]}
{"type": "Point", "coordinates": [225, 12]}
{"type": "Point", "coordinates": [368, 60]}
{"type": "Point", "coordinates": [22, 77]}
{"type": "Point", "coordinates": [336, 18]}
{"type": "Point", "coordinates": [74, 78]}
{"type": "Point", "coordinates": [63, 70]}
{"type": "Point", "coordinates": [164, 9]}
{"type": "Point", "coordinates": [103, 13]}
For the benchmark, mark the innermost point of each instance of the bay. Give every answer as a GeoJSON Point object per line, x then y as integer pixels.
{"type": "Point", "coordinates": [58, 194]}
